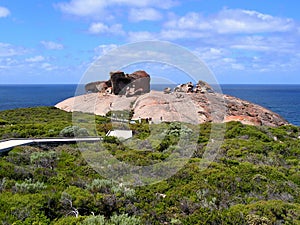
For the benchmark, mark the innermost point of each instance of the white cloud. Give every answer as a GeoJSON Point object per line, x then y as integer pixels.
{"type": "Point", "coordinates": [173, 34]}
{"type": "Point", "coordinates": [228, 60]}
{"type": "Point", "coordinates": [232, 21]}
{"type": "Point", "coordinates": [94, 8]}
{"type": "Point", "coordinates": [7, 50]}
{"type": "Point", "coordinates": [7, 63]}
{"type": "Point", "coordinates": [237, 66]}
{"type": "Point", "coordinates": [48, 67]}
{"type": "Point", "coordinates": [264, 44]}
{"type": "Point", "coordinates": [82, 7]}
{"type": "Point", "coordinates": [238, 39]}
{"type": "Point", "coordinates": [100, 28]}
{"type": "Point", "coordinates": [140, 14]}
{"type": "Point", "coordinates": [170, 34]}
{"type": "Point", "coordinates": [4, 12]}
{"type": "Point", "coordinates": [211, 53]}
{"type": "Point", "coordinates": [219, 59]}
{"type": "Point", "coordinates": [231, 39]}
{"type": "Point", "coordinates": [141, 36]}
{"type": "Point", "coordinates": [166, 4]}
{"type": "Point", "coordinates": [52, 45]}
{"type": "Point", "coordinates": [245, 21]}
{"type": "Point", "coordinates": [191, 21]}
{"type": "Point", "coordinates": [103, 49]}
{"type": "Point", "coordinates": [37, 58]}
{"type": "Point", "coordinates": [231, 59]}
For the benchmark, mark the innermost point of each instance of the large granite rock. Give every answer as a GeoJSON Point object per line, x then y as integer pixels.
{"type": "Point", "coordinates": [186, 103]}
{"type": "Point", "coordinates": [122, 84]}
{"type": "Point", "coordinates": [192, 107]}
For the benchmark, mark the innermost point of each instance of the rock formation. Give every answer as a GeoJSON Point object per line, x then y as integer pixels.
{"type": "Point", "coordinates": [188, 87]}
{"type": "Point", "coordinates": [122, 84]}
{"type": "Point", "coordinates": [187, 103]}
{"type": "Point", "coordinates": [203, 87]}
{"type": "Point", "coordinates": [167, 90]}
{"type": "Point", "coordinates": [98, 86]}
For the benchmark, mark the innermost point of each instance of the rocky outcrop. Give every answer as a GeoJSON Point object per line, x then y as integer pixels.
{"type": "Point", "coordinates": [190, 107]}
{"type": "Point", "coordinates": [122, 84]}
{"type": "Point", "coordinates": [186, 103]}
{"type": "Point", "coordinates": [201, 87]}
{"type": "Point", "coordinates": [236, 110]}
{"type": "Point", "coordinates": [247, 112]}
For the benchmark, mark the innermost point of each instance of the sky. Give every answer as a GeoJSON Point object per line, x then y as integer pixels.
{"type": "Point", "coordinates": [240, 41]}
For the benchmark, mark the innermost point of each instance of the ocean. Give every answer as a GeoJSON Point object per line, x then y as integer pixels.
{"type": "Point", "coordinates": [282, 99]}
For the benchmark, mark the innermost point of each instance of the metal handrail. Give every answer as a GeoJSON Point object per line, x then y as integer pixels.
{"type": "Point", "coordinates": [36, 141]}
{"type": "Point", "coordinates": [37, 138]}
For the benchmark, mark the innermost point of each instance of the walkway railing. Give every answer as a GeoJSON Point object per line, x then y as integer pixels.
{"type": "Point", "coordinates": [8, 144]}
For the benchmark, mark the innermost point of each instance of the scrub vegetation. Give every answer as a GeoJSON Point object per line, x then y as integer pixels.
{"type": "Point", "coordinates": [254, 180]}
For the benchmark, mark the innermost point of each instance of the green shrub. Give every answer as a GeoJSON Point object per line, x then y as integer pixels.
{"type": "Point", "coordinates": [109, 186]}
{"type": "Point", "coordinates": [44, 159]}
{"type": "Point", "coordinates": [74, 131]}
{"type": "Point", "coordinates": [124, 219]}
{"type": "Point", "coordinates": [94, 220]}
{"type": "Point", "coordinates": [253, 219]}
{"type": "Point", "coordinates": [2, 184]}
{"type": "Point", "coordinates": [111, 140]}
{"type": "Point", "coordinates": [3, 122]}
{"type": "Point", "coordinates": [28, 186]}
{"type": "Point", "coordinates": [70, 220]}
{"type": "Point", "coordinates": [100, 185]}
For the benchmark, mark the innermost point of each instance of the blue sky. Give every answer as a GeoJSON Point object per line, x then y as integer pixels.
{"type": "Point", "coordinates": [45, 41]}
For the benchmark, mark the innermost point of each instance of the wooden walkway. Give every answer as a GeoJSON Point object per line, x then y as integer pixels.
{"type": "Point", "coordinates": [7, 145]}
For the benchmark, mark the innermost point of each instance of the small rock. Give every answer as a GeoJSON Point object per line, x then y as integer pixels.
{"type": "Point", "coordinates": [167, 90]}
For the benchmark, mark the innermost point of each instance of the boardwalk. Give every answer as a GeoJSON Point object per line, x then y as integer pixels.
{"type": "Point", "coordinates": [9, 144]}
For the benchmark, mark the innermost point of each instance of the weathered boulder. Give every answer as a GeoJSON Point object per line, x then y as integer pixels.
{"type": "Point", "coordinates": [187, 88]}
{"type": "Point", "coordinates": [202, 87]}
{"type": "Point", "coordinates": [98, 86]}
{"type": "Point", "coordinates": [167, 90]}
{"type": "Point", "coordinates": [122, 84]}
